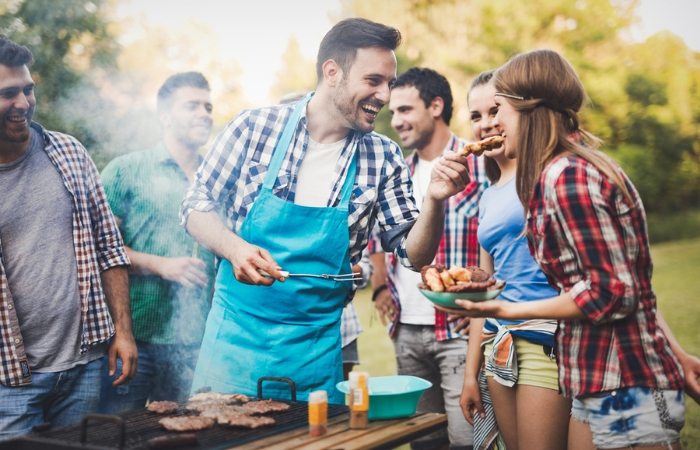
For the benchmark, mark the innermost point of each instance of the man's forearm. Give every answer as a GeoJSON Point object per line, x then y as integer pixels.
{"type": "Point", "coordinates": [115, 284]}
{"type": "Point", "coordinates": [143, 263]}
{"type": "Point", "coordinates": [211, 233]}
{"type": "Point", "coordinates": [424, 238]}
{"type": "Point", "coordinates": [379, 272]}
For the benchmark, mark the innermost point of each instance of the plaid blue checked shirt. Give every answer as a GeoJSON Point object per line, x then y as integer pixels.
{"type": "Point", "coordinates": [459, 245]}
{"type": "Point", "coordinates": [98, 247]}
{"type": "Point", "coordinates": [233, 172]}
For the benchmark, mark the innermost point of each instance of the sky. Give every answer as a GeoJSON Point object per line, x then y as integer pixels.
{"type": "Point", "coordinates": [255, 33]}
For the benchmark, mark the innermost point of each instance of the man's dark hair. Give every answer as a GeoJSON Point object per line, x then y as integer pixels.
{"type": "Point", "coordinates": [347, 36]}
{"type": "Point", "coordinates": [175, 82]}
{"type": "Point", "coordinates": [430, 84]}
{"type": "Point", "coordinates": [14, 55]}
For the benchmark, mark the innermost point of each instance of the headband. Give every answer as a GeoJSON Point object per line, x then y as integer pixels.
{"type": "Point", "coordinates": [516, 97]}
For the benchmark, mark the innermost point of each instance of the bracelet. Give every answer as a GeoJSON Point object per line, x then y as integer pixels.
{"type": "Point", "coordinates": [378, 291]}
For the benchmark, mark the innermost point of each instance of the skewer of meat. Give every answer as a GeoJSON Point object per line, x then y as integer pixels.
{"type": "Point", "coordinates": [477, 148]}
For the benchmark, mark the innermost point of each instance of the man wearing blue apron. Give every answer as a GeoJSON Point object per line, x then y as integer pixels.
{"type": "Point", "coordinates": [259, 172]}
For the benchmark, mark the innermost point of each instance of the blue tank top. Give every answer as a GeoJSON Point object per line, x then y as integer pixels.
{"type": "Point", "coordinates": [501, 223]}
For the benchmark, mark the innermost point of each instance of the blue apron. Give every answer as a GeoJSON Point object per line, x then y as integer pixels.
{"type": "Point", "coordinates": [289, 329]}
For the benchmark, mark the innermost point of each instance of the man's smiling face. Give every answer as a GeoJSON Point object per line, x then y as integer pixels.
{"type": "Point", "coordinates": [17, 103]}
{"type": "Point", "coordinates": [365, 89]}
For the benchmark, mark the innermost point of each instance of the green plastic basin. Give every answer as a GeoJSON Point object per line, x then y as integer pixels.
{"type": "Point", "coordinates": [392, 397]}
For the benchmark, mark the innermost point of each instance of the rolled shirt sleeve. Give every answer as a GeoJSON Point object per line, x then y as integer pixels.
{"type": "Point", "coordinates": [584, 242]}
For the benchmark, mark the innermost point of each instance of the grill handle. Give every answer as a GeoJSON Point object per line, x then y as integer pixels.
{"type": "Point", "coordinates": [291, 384]}
{"type": "Point", "coordinates": [116, 419]}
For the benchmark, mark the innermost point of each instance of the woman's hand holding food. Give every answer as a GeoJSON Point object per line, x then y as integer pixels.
{"type": "Point", "coordinates": [489, 308]}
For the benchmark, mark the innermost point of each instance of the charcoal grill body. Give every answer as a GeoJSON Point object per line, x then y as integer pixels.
{"type": "Point", "coordinates": [142, 425]}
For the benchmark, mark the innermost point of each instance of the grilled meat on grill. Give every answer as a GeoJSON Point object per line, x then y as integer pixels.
{"type": "Point", "coordinates": [162, 407]}
{"type": "Point", "coordinates": [203, 396]}
{"type": "Point", "coordinates": [235, 417]}
{"type": "Point", "coordinates": [186, 423]}
{"type": "Point", "coordinates": [205, 404]}
{"type": "Point", "coordinates": [264, 407]}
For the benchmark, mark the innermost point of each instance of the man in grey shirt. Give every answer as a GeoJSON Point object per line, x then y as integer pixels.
{"type": "Point", "coordinates": [63, 280]}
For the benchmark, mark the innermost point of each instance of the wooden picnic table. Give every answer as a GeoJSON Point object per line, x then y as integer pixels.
{"type": "Point", "coordinates": [381, 434]}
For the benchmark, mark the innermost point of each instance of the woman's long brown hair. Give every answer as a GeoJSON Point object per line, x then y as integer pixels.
{"type": "Point", "coordinates": [552, 97]}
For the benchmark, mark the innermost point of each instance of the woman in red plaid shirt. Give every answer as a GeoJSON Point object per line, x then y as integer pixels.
{"type": "Point", "coordinates": [587, 230]}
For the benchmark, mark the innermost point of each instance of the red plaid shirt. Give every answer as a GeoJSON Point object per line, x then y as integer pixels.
{"type": "Point", "coordinates": [591, 243]}
{"type": "Point", "coordinates": [98, 247]}
{"type": "Point", "coordinates": [459, 245]}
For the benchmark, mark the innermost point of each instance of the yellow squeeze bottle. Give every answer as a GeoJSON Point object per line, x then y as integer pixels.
{"type": "Point", "coordinates": [318, 413]}
{"type": "Point", "coordinates": [359, 399]}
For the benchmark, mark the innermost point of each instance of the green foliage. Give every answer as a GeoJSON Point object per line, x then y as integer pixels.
{"type": "Point", "coordinates": [645, 91]}
{"type": "Point", "coordinates": [70, 41]}
{"type": "Point", "coordinates": [298, 73]}
{"type": "Point", "coordinates": [674, 226]}
{"type": "Point", "coordinates": [66, 38]}
{"type": "Point", "coordinates": [645, 98]}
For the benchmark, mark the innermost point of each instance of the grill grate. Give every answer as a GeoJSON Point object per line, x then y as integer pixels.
{"type": "Point", "coordinates": [142, 425]}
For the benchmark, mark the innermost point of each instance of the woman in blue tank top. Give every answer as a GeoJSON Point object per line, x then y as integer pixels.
{"type": "Point", "coordinates": [520, 368]}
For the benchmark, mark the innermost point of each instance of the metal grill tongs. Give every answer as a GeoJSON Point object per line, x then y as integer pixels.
{"type": "Point", "coordinates": [341, 277]}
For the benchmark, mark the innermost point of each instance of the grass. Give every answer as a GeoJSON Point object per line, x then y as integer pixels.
{"type": "Point", "coordinates": [676, 282]}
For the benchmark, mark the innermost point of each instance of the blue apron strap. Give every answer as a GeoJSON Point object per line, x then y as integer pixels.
{"type": "Point", "coordinates": [349, 181]}
{"type": "Point", "coordinates": [283, 144]}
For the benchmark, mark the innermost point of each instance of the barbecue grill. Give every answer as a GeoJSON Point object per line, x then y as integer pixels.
{"type": "Point", "coordinates": [137, 429]}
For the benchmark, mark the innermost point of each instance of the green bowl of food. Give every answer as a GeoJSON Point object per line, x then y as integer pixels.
{"type": "Point", "coordinates": [392, 397]}
{"type": "Point", "coordinates": [447, 299]}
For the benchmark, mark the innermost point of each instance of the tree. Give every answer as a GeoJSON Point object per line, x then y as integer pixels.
{"type": "Point", "coordinates": [298, 73]}
{"type": "Point", "coordinates": [69, 39]}
{"type": "Point", "coordinates": [169, 50]}
{"type": "Point", "coordinates": [644, 97]}
{"type": "Point", "coordinates": [103, 93]}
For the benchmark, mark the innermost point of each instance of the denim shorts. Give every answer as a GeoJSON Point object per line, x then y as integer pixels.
{"type": "Point", "coordinates": [635, 416]}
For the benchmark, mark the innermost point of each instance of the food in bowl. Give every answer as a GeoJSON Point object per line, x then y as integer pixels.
{"type": "Point", "coordinates": [438, 278]}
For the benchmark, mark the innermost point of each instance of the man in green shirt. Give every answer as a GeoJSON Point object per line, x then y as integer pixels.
{"type": "Point", "coordinates": [170, 276]}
